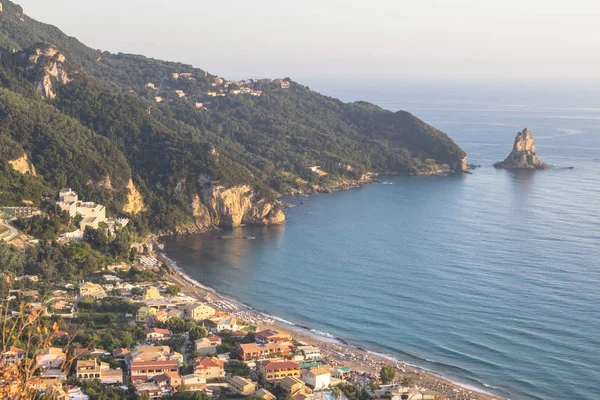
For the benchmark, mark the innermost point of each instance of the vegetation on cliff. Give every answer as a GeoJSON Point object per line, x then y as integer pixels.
{"type": "Point", "coordinates": [93, 120]}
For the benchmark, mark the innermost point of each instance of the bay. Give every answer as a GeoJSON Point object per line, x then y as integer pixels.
{"type": "Point", "coordinates": [491, 279]}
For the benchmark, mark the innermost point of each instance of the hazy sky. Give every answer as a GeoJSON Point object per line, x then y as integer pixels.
{"type": "Point", "coordinates": [346, 39]}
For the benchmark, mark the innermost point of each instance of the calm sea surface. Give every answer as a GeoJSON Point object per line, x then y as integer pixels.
{"type": "Point", "coordinates": [491, 279]}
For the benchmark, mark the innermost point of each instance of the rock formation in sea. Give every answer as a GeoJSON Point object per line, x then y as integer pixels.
{"type": "Point", "coordinates": [523, 154]}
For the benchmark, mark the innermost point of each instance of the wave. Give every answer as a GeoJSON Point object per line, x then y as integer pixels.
{"type": "Point", "coordinates": [324, 334]}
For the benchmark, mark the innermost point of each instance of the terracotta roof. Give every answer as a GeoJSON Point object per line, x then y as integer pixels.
{"type": "Point", "coordinates": [208, 362]}
{"type": "Point", "coordinates": [136, 365]}
{"type": "Point", "coordinates": [165, 332]}
{"type": "Point", "coordinates": [281, 365]}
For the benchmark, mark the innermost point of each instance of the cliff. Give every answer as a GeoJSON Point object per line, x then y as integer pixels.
{"type": "Point", "coordinates": [217, 206]}
{"type": "Point", "coordinates": [47, 66]}
{"type": "Point", "coordinates": [523, 154]}
{"type": "Point", "coordinates": [23, 165]}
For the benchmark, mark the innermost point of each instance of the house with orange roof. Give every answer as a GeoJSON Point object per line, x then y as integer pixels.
{"type": "Point", "coordinates": [274, 371]}
{"type": "Point", "coordinates": [272, 336]}
{"type": "Point", "coordinates": [249, 351]}
{"type": "Point", "coordinates": [153, 334]}
{"type": "Point", "coordinates": [143, 370]}
{"type": "Point", "coordinates": [209, 367]}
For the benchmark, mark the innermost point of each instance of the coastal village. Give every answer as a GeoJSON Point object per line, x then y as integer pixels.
{"type": "Point", "coordinates": [177, 338]}
{"type": "Point", "coordinates": [200, 90]}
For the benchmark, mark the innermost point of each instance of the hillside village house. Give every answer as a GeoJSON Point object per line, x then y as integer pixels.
{"type": "Point", "coordinates": [149, 389]}
{"type": "Point", "coordinates": [199, 311]}
{"type": "Point", "coordinates": [272, 336]}
{"type": "Point", "coordinates": [310, 352]}
{"type": "Point", "coordinates": [229, 324]}
{"type": "Point", "coordinates": [249, 351]}
{"type": "Point", "coordinates": [293, 386]}
{"type": "Point", "coordinates": [152, 293]}
{"type": "Point", "coordinates": [141, 371]}
{"type": "Point", "coordinates": [51, 358]}
{"type": "Point", "coordinates": [194, 382]}
{"type": "Point", "coordinates": [13, 355]}
{"type": "Point", "coordinates": [92, 369]}
{"type": "Point", "coordinates": [207, 345]}
{"type": "Point", "coordinates": [169, 380]}
{"type": "Point", "coordinates": [318, 378]}
{"type": "Point", "coordinates": [209, 367]}
{"type": "Point", "coordinates": [242, 386]}
{"type": "Point", "coordinates": [274, 371]}
{"type": "Point", "coordinates": [91, 290]}
{"type": "Point", "coordinates": [264, 394]}
{"type": "Point", "coordinates": [154, 353]}
{"type": "Point", "coordinates": [153, 334]}
{"type": "Point", "coordinates": [144, 313]}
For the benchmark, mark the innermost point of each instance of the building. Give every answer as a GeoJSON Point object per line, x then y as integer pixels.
{"type": "Point", "coordinates": [249, 351]}
{"type": "Point", "coordinates": [149, 389]}
{"type": "Point", "coordinates": [92, 213]}
{"type": "Point", "coordinates": [274, 371]}
{"type": "Point", "coordinates": [92, 369]}
{"type": "Point", "coordinates": [144, 313]}
{"type": "Point", "coordinates": [143, 370]}
{"type": "Point", "coordinates": [209, 367]}
{"type": "Point", "coordinates": [229, 324]}
{"type": "Point", "coordinates": [272, 336]}
{"type": "Point", "coordinates": [317, 378]}
{"type": "Point", "coordinates": [12, 355]}
{"type": "Point", "coordinates": [264, 394]}
{"type": "Point", "coordinates": [194, 382]}
{"type": "Point", "coordinates": [153, 334]}
{"type": "Point", "coordinates": [242, 386]}
{"type": "Point", "coordinates": [199, 311]}
{"type": "Point", "coordinates": [293, 386]}
{"type": "Point", "coordinates": [152, 293]}
{"type": "Point", "coordinates": [50, 358]}
{"type": "Point", "coordinates": [207, 345]}
{"type": "Point", "coordinates": [169, 380]}
{"type": "Point", "coordinates": [91, 290]}
{"type": "Point", "coordinates": [309, 352]}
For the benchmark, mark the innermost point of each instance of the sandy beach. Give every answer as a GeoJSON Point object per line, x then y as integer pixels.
{"type": "Point", "coordinates": [333, 351]}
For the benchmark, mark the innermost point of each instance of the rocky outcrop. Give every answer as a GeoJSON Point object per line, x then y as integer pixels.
{"type": "Point", "coordinates": [218, 206]}
{"type": "Point", "coordinates": [48, 63]}
{"type": "Point", "coordinates": [135, 203]}
{"type": "Point", "coordinates": [523, 154]}
{"type": "Point", "coordinates": [23, 165]}
{"type": "Point", "coordinates": [102, 184]}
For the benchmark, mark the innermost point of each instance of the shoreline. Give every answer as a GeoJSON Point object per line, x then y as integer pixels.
{"type": "Point", "coordinates": [336, 350]}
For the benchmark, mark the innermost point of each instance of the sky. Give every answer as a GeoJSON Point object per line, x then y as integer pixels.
{"type": "Point", "coordinates": [345, 40]}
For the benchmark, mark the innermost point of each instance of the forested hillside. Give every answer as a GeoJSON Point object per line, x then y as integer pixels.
{"type": "Point", "coordinates": [106, 124]}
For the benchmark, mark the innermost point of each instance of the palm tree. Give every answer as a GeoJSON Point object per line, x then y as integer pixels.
{"type": "Point", "coordinates": [336, 392]}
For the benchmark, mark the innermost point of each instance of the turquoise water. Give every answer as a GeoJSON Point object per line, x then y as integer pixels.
{"type": "Point", "coordinates": [492, 279]}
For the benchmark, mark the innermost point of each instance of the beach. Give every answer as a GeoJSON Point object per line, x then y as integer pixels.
{"type": "Point", "coordinates": [333, 350]}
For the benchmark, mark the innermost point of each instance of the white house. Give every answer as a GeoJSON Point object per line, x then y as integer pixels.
{"type": "Point", "coordinates": [317, 378]}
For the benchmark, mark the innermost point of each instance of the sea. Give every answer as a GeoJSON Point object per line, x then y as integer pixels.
{"type": "Point", "coordinates": [491, 279]}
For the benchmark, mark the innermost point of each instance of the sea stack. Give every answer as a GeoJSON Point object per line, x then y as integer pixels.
{"type": "Point", "coordinates": [523, 154]}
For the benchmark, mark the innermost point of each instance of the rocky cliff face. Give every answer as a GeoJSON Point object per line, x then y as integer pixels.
{"type": "Point", "coordinates": [23, 165]}
{"type": "Point", "coordinates": [523, 154]}
{"type": "Point", "coordinates": [217, 206]}
{"type": "Point", "coordinates": [47, 63]}
{"type": "Point", "coordinates": [135, 203]}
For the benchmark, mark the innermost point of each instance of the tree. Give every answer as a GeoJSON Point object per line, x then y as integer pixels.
{"type": "Point", "coordinates": [198, 332]}
{"type": "Point", "coordinates": [407, 382]}
{"type": "Point", "coordinates": [173, 290]}
{"type": "Point", "coordinates": [336, 392]}
{"type": "Point", "coordinates": [387, 374]}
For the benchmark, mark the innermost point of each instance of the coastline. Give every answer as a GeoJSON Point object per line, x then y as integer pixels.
{"type": "Point", "coordinates": [336, 350]}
